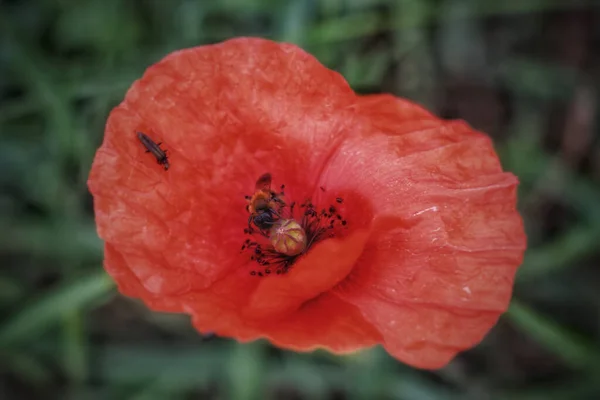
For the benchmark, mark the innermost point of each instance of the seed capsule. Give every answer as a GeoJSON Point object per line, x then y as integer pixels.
{"type": "Point", "coordinates": [288, 237]}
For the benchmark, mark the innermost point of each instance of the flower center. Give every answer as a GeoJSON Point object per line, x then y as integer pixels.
{"type": "Point", "coordinates": [280, 233]}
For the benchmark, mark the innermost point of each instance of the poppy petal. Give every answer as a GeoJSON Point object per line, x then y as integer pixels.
{"type": "Point", "coordinates": [436, 279]}
{"type": "Point", "coordinates": [411, 165]}
{"type": "Point", "coordinates": [324, 322]}
{"type": "Point", "coordinates": [217, 309]}
{"type": "Point", "coordinates": [245, 99]}
{"type": "Point", "coordinates": [316, 272]}
{"type": "Point", "coordinates": [407, 335]}
{"type": "Point", "coordinates": [418, 288]}
{"type": "Point", "coordinates": [394, 115]}
{"type": "Point", "coordinates": [224, 121]}
{"type": "Point", "coordinates": [130, 285]}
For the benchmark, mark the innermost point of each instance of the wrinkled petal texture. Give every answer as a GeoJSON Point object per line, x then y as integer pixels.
{"type": "Point", "coordinates": [433, 242]}
{"type": "Point", "coordinates": [438, 269]}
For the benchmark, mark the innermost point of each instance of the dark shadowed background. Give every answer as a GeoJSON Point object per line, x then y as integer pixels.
{"type": "Point", "coordinates": [525, 71]}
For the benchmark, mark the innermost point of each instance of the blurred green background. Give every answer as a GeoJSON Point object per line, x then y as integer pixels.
{"type": "Point", "coordinates": [525, 71]}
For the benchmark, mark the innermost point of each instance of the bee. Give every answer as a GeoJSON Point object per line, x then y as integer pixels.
{"type": "Point", "coordinates": [154, 148]}
{"type": "Point", "coordinates": [264, 206]}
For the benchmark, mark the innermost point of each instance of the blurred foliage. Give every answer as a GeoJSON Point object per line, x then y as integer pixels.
{"type": "Point", "coordinates": [525, 71]}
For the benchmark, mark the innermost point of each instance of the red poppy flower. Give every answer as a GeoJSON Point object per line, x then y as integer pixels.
{"type": "Point", "coordinates": [409, 237]}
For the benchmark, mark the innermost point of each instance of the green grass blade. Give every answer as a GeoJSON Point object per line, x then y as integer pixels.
{"type": "Point", "coordinates": [575, 351]}
{"type": "Point", "coordinates": [38, 315]}
{"type": "Point", "coordinates": [246, 370]}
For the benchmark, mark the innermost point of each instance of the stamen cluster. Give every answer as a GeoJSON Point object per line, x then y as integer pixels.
{"type": "Point", "coordinates": [293, 234]}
